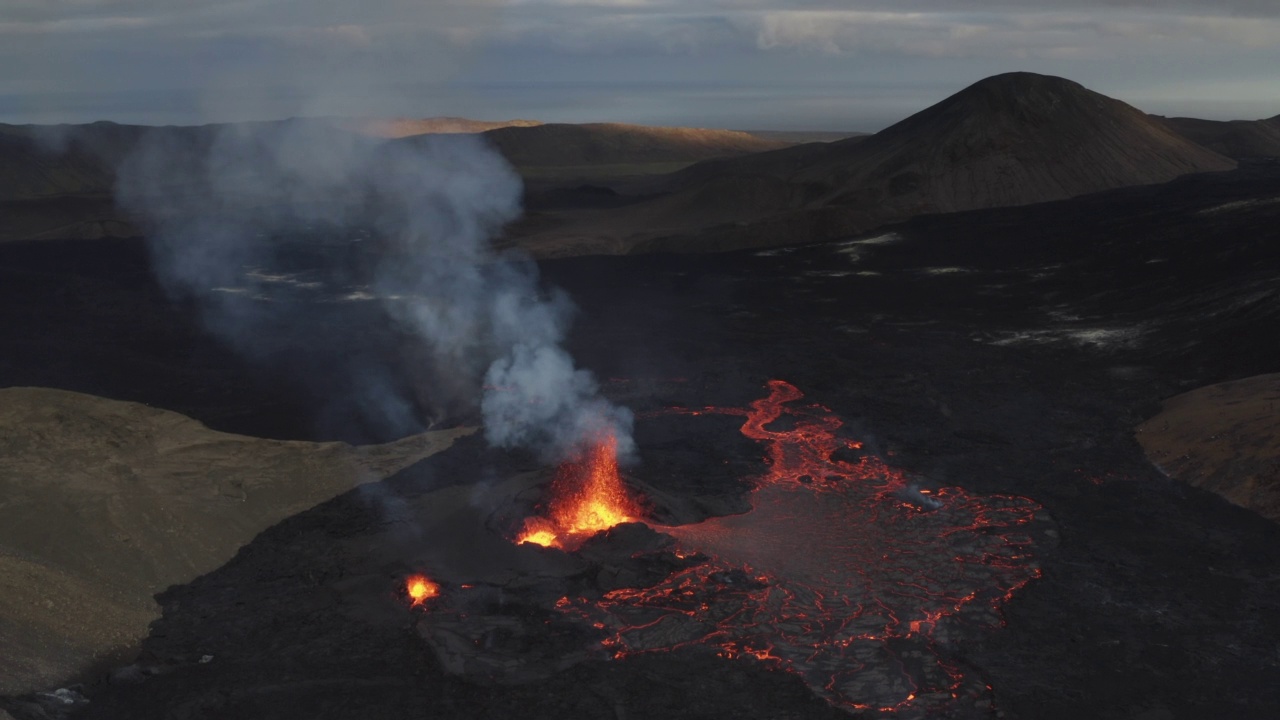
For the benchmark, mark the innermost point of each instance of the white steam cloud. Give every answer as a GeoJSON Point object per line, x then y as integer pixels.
{"type": "Point", "coordinates": [409, 222]}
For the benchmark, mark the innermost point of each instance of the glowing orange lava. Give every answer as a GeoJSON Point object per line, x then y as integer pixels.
{"type": "Point", "coordinates": [421, 589]}
{"type": "Point", "coordinates": [587, 496]}
{"type": "Point", "coordinates": [834, 574]}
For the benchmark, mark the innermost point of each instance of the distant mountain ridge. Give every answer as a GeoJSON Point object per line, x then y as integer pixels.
{"type": "Point", "coordinates": [393, 128]}
{"type": "Point", "coordinates": [1237, 139]}
{"type": "Point", "coordinates": [58, 181]}
{"type": "Point", "coordinates": [51, 160]}
{"type": "Point", "coordinates": [615, 143]}
{"type": "Point", "coordinates": [1011, 139]}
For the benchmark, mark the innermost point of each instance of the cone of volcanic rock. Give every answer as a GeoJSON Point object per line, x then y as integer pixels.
{"type": "Point", "coordinates": [105, 503]}
{"type": "Point", "coordinates": [1233, 138]}
{"type": "Point", "coordinates": [1224, 438]}
{"type": "Point", "coordinates": [1012, 139]}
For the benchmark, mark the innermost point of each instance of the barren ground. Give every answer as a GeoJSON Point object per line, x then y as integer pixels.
{"type": "Point", "coordinates": [1007, 352]}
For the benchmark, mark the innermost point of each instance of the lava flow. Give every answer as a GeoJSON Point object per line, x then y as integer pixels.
{"type": "Point", "coordinates": [587, 496]}
{"type": "Point", "coordinates": [844, 572]}
{"type": "Point", "coordinates": [420, 589]}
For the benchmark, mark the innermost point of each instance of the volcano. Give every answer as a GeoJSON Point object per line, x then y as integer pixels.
{"type": "Point", "coordinates": [1011, 139]}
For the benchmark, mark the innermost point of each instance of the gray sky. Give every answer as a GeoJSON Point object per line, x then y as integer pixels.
{"type": "Point", "coordinates": [755, 64]}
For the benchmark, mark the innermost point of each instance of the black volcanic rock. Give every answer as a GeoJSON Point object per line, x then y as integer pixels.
{"type": "Point", "coordinates": [954, 348]}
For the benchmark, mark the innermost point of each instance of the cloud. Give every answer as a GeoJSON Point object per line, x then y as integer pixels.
{"type": "Point", "coordinates": [219, 48]}
{"type": "Point", "coordinates": [325, 38]}
{"type": "Point", "coordinates": [76, 25]}
{"type": "Point", "coordinates": [1247, 32]}
{"type": "Point", "coordinates": [1048, 35]}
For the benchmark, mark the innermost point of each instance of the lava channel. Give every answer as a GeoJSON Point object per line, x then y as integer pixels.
{"type": "Point", "coordinates": [834, 575]}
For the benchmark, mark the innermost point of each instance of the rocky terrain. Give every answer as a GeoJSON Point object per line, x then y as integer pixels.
{"type": "Point", "coordinates": [1224, 438]}
{"type": "Point", "coordinates": [995, 353]}
{"type": "Point", "coordinates": [106, 503]}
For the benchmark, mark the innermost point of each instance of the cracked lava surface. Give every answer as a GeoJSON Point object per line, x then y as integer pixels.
{"type": "Point", "coordinates": [844, 572]}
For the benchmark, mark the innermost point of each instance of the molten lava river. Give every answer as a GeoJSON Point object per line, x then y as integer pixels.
{"type": "Point", "coordinates": [843, 572]}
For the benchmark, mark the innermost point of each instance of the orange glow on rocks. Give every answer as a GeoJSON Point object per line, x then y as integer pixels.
{"type": "Point", "coordinates": [587, 496]}
{"type": "Point", "coordinates": [420, 589]}
{"type": "Point", "coordinates": [535, 534]}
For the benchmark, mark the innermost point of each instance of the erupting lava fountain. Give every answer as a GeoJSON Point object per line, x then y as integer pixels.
{"type": "Point", "coordinates": [420, 589]}
{"type": "Point", "coordinates": [587, 496]}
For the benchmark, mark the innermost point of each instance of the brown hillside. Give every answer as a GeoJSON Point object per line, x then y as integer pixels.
{"type": "Point", "coordinates": [106, 503]}
{"type": "Point", "coordinates": [1235, 138]}
{"type": "Point", "coordinates": [393, 128]}
{"type": "Point", "coordinates": [1224, 438]}
{"type": "Point", "coordinates": [807, 136]}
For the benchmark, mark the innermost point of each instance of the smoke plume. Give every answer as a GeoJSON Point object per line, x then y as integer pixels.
{"type": "Point", "coordinates": [274, 228]}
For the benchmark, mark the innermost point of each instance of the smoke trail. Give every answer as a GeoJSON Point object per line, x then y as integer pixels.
{"type": "Point", "coordinates": [266, 226]}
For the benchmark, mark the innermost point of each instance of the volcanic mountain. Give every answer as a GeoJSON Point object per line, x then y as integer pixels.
{"type": "Point", "coordinates": [1010, 139]}
{"type": "Point", "coordinates": [1233, 138]}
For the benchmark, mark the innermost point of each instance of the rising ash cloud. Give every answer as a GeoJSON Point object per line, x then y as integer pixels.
{"type": "Point", "coordinates": [275, 230]}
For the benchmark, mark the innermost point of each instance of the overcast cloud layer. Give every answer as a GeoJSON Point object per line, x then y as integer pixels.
{"type": "Point", "coordinates": [736, 63]}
